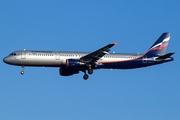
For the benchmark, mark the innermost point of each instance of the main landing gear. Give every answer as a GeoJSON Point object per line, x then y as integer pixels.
{"type": "Point", "coordinates": [90, 71]}
{"type": "Point", "coordinates": [22, 72]}
{"type": "Point", "coordinates": [86, 76]}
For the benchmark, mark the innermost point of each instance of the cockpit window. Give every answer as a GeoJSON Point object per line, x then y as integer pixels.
{"type": "Point", "coordinates": [13, 54]}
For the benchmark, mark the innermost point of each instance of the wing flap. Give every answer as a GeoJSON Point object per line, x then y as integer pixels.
{"type": "Point", "coordinates": [95, 56]}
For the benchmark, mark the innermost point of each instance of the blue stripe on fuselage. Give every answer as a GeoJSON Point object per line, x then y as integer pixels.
{"type": "Point", "coordinates": [132, 64]}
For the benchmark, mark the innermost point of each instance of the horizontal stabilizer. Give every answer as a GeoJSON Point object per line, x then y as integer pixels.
{"type": "Point", "coordinates": [164, 56]}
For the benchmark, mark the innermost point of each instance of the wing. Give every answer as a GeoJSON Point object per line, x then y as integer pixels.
{"type": "Point", "coordinates": [95, 56]}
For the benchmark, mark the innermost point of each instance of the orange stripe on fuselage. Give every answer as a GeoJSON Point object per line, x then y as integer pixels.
{"type": "Point", "coordinates": [163, 45]}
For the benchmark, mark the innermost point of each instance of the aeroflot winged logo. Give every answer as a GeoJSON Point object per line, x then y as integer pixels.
{"type": "Point", "coordinates": [72, 62]}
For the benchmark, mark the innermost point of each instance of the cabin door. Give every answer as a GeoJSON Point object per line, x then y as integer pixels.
{"type": "Point", "coordinates": [23, 55]}
{"type": "Point", "coordinates": [144, 59]}
{"type": "Point", "coordinates": [57, 54]}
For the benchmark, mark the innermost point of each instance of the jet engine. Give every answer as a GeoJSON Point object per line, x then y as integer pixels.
{"type": "Point", "coordinates": [67, 71]}
{"type": "Point", "coordinates": [73, 63]}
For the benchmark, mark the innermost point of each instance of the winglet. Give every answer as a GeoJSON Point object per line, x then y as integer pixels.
{"type": "Point", "coordinates": [115, 43]}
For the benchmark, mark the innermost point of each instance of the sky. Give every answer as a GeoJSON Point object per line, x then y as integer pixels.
{"type": "Point", "coordinates": [150, 93]}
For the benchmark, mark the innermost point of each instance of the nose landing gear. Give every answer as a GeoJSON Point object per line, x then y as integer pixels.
{"type": "Point", "coordinates": [22, 72]}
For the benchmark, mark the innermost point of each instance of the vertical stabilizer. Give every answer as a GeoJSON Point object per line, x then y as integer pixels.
{"type": "Point", "coordinates": [160, 46]}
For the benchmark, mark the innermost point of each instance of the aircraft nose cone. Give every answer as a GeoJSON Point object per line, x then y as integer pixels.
{"type": "Point", "coordinates": [5, 60]}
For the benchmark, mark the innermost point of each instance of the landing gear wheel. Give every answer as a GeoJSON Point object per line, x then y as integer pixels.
{"type": "Point", "coordinates": [90, 71]}
{"type": "Point", "coordinates": [22, 72]}
{"type": "Point", "coordinates": [85, 77]}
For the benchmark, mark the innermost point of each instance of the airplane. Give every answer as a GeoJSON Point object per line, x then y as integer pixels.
{"type": "Point", "coordinates": [73, 62]}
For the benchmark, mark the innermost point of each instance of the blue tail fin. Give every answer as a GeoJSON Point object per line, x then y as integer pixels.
{"type": "Point", "coordinates": [160, 46]}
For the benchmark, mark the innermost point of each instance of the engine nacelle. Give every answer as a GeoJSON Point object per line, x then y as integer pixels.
{"type": "Point", "coordinates": [73, 63]}
{"type": "Point", "coordinates": [67, 72]}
